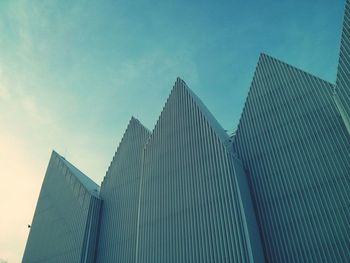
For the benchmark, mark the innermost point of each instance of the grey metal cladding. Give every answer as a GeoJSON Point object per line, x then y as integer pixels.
{"type": "Point", "coordinates": [120, 194]}
{"type": "Point", "coordinates": [189, 201]}
{"type": "Point", "coordinates": [59, 229]}
{"type": "Point", "coordinates": [296, 151]}
{"type": "Point", "coordinates": [278, 190]}
{"type": "Point", "coordinates": [91, 235]}
{"type": "Point", "coordinates": [343, 78]}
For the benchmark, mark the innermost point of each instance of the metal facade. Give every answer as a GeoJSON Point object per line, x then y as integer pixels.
{"type": "Point", "coordinates": [191, 209]}
{"type": "Point", "coordinates": [342, 95]}
{"type": "Point", "coordinates": [278, 190]}
{"type": "Point", "coordinates": [343, 79]}
{"type": "Point", "coordinates": [120, 194]}
{"type": "Point", "coordinates": [295, 147]}
{"type": "Point", "coordinates": [65, 223]}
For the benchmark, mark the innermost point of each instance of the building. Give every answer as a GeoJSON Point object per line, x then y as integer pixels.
{"type": "Point", "coordinates": [276, 191]}
{"type": "Point", "coordinates": [65, 223]}
{"type": "Point", "coordinates": [294, 144]}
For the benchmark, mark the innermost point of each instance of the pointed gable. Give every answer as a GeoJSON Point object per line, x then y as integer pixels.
{"type": "Point", "coordinates": [127, 155]}
{"type": "Point", "coordinates": [293, 143]}
{"type": "Point", "coordinates": [189, 202]}
{"type": "Point", "coordinates": [276, 96]}
{"type": "Point", "coordinates": [120, 192]}
{"type": "Point", "coordinates": [67, 215]}
{"type": "Point", "coordinates": [214, 124]}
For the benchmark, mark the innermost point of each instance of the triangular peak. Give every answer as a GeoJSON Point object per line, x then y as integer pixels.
{"type": "Point", "coordinates": [121, 186]}
{"type": "Point", "coordinates": [178, 93]}
{"type": "Point", "coordinates": [135, 121]}
{"type": "Point", "coordinates": [66, 215]}
{"type": "Point", "coordinates": [188, 158]}
{"type": "Point", "coordinates": [134, 132]}
{"type": "Point", "coordinates": [208, 115]}
{"type": "Point", "coordinates": [133, 126]}
{"type": "Point", "coordinates": [278, 84]}
{"type": "Point", "coordinates": [274, 74]}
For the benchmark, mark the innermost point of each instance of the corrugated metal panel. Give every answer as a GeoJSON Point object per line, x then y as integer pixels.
{"type": "Point", "coordinates": [181, 194]}
{"type": "Point", "coordinates": [57, 232]}
{"type": "Point", "coordinates": [296, 149]}
{"type": "Point", "coordinates": [343, 78]}
{"type": "Point", "coordinates": [92, 228]}
{"type": "Point", "coordinates": [120, 192]}
{"type": "Point", "coordinates": [190, 209]}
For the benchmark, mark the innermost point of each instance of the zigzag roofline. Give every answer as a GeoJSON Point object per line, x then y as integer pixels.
{"type": "Point", "coordinates": [94, 188]}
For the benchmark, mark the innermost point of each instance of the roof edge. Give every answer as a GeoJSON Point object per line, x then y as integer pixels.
{"type": "Point", "coordinates": [92, 187]}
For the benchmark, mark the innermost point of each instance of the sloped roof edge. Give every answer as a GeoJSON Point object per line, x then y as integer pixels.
{"type": "Point", "coordinates": [86, 181]}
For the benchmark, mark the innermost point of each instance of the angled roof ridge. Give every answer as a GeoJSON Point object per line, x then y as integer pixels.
{"type": "Point", "coordinates": [266, 56]}
{"type": "Point", "coordinates": [86, 181]}
{"type": "Point", "coordinates": [131, 121]}
{"type": "Point", "coordinates": [161, 112]}
{"type": "Point", "coordinates": [219, 130]}
{"type": "Point", "coordinates": [135, 121]}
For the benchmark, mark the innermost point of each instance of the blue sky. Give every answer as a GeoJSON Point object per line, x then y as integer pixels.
{"type": "Point", "coordinates": [72, 73]}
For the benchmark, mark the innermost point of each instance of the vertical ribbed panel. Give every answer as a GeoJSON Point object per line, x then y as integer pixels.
{"type": "Point", "coordinates": [90, 245]}
{"type": "Point", "coordinates": [343, 78]}
{"type": "Point", "coordinates": [120, 194]}
{"type": "Point", "coordinates": [58, 231]}
{"type": "Point", "coordinates": [189, 206]}
{"type": "Point", "coordinates": [294, 145]}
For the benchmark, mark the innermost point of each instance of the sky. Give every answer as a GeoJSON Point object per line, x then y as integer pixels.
{"type": "Point", "coordinates": [72, 73]}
